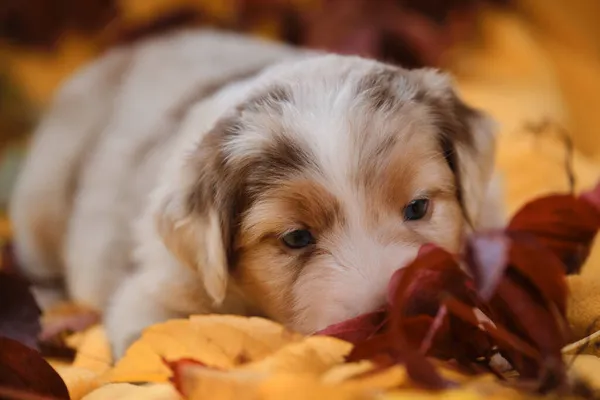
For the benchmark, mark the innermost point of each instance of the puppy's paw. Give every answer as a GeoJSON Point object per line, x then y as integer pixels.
{"type": "Point", "coordinates": [133, 309]}
{"type": "Point", "coordinates": [121, 340]}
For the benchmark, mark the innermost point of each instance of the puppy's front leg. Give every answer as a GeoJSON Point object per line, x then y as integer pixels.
{"type": "Point", "coordinates": [147, 297]}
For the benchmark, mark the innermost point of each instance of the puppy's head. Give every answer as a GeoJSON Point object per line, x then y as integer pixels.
{"type": "Point", "coordinates": [328, 178]}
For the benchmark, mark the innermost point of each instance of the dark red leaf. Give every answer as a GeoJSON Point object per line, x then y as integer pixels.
{"type": "Point", "coordinates": [435, 329]}
{"type": "Point", "coordinates": [24, 368]}
{"type": "Point", "coordinates": [543, 270]}
{"type": "Point", "coordinates": [20, 394]}
{"type": "Point", "coordinates": [417, 288]}
{"type": "Point", "coordinates": [423, 373]}
{"type": "Point", "coordinates": [565, 224]}
{"type": "Point", "coordinates": [357, 329]}
{"type": "Point", "coordinates": [19, 312]}
{"type": "Point", "coordinates": [393, 349]}
{"type": "Point", "coordinates": [370, 348]}
{"type": "Point", "coordinates": [467, 314]}
{"type": "Point", "coordinates": [57, 350]}
{"type": "Point", "coordinates": [8, 262]}
{"type": "Point", "coordinates": [536, 321]}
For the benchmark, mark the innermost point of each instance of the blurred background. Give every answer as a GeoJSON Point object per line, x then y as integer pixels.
{"type": "Point", "coordinates": [533, 64]}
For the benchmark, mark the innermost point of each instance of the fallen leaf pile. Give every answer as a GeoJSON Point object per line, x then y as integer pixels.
{"type": "Point", "coordinates": [487, 323]}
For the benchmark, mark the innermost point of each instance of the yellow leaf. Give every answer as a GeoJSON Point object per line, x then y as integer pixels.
{"type": "Point", "coordinates": [294, 387]}
{"type": "Point", "coordinates": [204, 383]}
{"type": "Point", "coordinates": [199, 383]}
{"type": "Point", "coordinates": [79, 381]}
{"type": "Point", "coordinates": [313, 356]}
{"type": "Point", "coordinates": [93, 352]}
{"type": "Point", "coordinates": [75, 339]}
{"type": "Point", "coordinates": [220, 341]}
{"type": "Point", "coordinates": [118, 391]}
{"type": "Point", "coordinates": [388, 378]}
{"type": "Point", "coordinates": [488, 387]}
{"type": "Point", "coordinates": [303, 360]}
{"type": "Point", "coordinates": [343, 372]}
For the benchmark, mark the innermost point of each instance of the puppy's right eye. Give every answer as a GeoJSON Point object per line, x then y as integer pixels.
{"type": "Point", "coordinates": [298, 239]}
{"type": "Point", "coordinates": [416, 209]}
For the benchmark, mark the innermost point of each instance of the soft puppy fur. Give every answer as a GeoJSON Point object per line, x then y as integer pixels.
{"type": "Point", "coordinates": [205, 172]}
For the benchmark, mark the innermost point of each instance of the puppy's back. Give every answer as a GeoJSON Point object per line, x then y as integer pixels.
{"type": "Point", "coordinates": [89, 168]}
{"type": "Point", "coordinates": [47, 183]}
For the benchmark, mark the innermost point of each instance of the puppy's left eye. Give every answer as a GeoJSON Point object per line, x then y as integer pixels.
{"type": "Point", "coordinates": [416, 209]}
{"type": "Point", "coordinates": [298, 239]}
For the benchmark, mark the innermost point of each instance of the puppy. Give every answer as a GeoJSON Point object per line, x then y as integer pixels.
{"type": "Point", "coordinates": [205, 172]}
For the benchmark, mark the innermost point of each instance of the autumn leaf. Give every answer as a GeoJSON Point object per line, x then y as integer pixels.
{"type": "Point", "coordinates": [357, 329]}
{"type": "Point", "coordinates": [19, 312]}
{"type": "Point", "coordinates": [565, 224]}
{"type": "Point", "coordinates": [23, 368]}
{"type": "Point", "coordinates": [123, 391]}
{"type": "Point", "coordinates": [218, 341]}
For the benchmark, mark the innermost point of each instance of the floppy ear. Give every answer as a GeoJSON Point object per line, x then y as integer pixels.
{"type": "Point", "coordinates": [467, 137]}
{"type": "Point", "coordinates": [195, 210]}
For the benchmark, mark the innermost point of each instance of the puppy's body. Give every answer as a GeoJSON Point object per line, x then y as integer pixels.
{"type": "Point", "coordinates": [170, 171]}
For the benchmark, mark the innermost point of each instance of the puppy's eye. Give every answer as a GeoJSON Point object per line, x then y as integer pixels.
{"type": "Point", "coordinates": [298, 239]}
{"type": "Point", "coordinates": [416, 209]}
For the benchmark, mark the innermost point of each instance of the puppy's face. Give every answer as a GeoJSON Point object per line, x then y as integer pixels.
{"type": "Point", "coordinates": [326, 181]}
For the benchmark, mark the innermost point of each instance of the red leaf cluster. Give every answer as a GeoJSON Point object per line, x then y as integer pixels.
{"type": "Point", "coordinates": [504, 296]}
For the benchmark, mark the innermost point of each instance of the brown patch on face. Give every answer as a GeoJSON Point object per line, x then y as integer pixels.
{"type": "Point", "coordinates": [266, 269]}
{"type": "Point", "coordinates": [231, 187]}
{"type": "Point", "coordinates": [400, 97]}
{"type": "Point", "coordinates": [411, 166]}
{"type": "Point", "coordinates": [417, 175]}
{"type": "Point", "coordinates": [295, 204]}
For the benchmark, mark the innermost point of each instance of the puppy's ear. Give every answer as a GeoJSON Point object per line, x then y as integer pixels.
{"type": "Point", "coordinates": [195, 210]}
{"type": "Point", "coordinates": [467, 138]}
